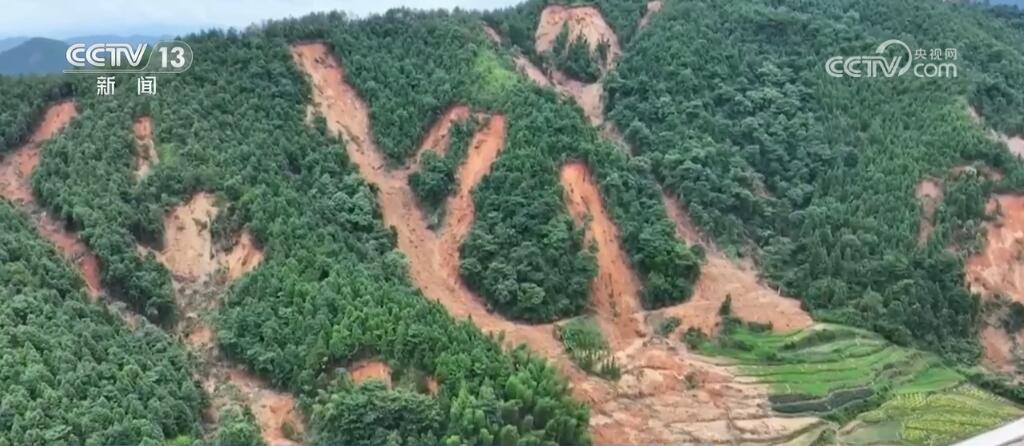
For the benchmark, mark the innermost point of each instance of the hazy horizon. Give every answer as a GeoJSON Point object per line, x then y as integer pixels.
{"type": "Point", "coordinates": [61, 19]}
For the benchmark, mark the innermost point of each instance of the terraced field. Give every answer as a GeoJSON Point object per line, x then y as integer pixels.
{"type": "Point", "coordinates": [883, 394]}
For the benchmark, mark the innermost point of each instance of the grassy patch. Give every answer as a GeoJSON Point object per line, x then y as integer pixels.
{"type": "Point", "coordinates": [587, 347]}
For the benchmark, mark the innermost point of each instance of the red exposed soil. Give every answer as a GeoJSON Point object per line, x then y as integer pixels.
{"type": "Point", "coordinates": [272, 408]}
{"type": "Point", "coordinates": [929, 194]}
{"type": "Point", "coordinates": [528, 69]}
{"type": "Point", "coordinates": [585, 21]}
{"type": "Point", "coordinates": [145, 150]}
{"type": "Point", "coordinates": [200, 337]}
{"type": "Point", "coordinates": [752, 300]}
{"type": "Point", "coordinates": [998, 268]}
{"type": "Point", "coordinates": [433, 259]}
{"type": "Point", "coordinates": [15, 174]}
{"type": "Point", "coordinates": [653, 7]}
{"type": "Point", "coordinates": [188, 245]}
{"type": "Point", "coordinates": [998, 349]}
{"type": "Point", "coordinates": [188, 248]}
{"type": "Point", "coordinates": [243, 257]}
{"type": "Point", "coordinates": [615, 292]}
{"type": "Point", "coordinates": [492, 34]}
{"type": "Point", "coordinates": [590, 97]}
{"type": "Point", "coordinates": [363, 371]}
{"type": "Point", "coordinates": [438, 137]}
{"type": "Point", "coordinates": [648, 405]}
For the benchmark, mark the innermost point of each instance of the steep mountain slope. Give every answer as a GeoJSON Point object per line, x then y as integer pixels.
{"type": "Point", "coordinates": [37, 55]}
{"type": "Point", "coordinates": [11, 42]}
{"type": "Point", "coordinates": [378, 231]}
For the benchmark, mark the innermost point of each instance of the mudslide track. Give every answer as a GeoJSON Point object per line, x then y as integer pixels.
{"type": "Point", "coordinates": [647, 405]}
{"type": "Point", "coordinates": [433, 258]}
{"type": "Point", "coordinates": [200, 275]}
{"type": "Point", "coordinates": [16, 169]}
{"type": "Point", "coordinates": [650, 403]}
{"type": "Point", "coordinates": [145, 149]}
{"type": "Point", "coordinates": [615, 292]}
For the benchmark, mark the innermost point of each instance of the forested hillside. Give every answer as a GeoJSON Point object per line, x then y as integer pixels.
{"type": "Point", "coordinates": [738, 117]}
{"type": "Point", "coordinates": [72, 372]}
{"type": "Point", "coordinates": [793, 184]}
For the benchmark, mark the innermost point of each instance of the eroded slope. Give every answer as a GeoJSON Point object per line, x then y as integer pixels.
{"type": "Point", "coordinates": [615, 292]}
{"type": "Point", "coordinates": [348, 116]}
{"type": "Point", "coordinates": [16, 169]}
{"type": "Point", "coordinates": [648, 404]}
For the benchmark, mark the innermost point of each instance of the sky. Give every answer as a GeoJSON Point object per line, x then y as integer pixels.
{"type": "Point", "coordinates": [60, 19]}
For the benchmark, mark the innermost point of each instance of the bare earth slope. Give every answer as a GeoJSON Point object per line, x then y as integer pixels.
{"type": "Point", "coordinates": [16, 169]}
{"type": "Point", "coordinates": [649, 404]}
{"type": "Point", "coordinates": [615, 292]}
{"type": "Point", "coordinates": [145, 150]}
{"type": "Point", "coordinates": [435, 276]}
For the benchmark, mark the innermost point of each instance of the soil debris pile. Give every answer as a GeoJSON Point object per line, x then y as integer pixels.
{"type": "Point", "coordinates": [998, 269]}
{"type": "Point", "coordinates": [16, 169]}
{"type": "Point", "coordinates": [273, 410]}
{"type": "Point", "coordinates": [720, 277]}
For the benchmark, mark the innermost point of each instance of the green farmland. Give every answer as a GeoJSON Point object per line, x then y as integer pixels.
{"type": "Point", "coordinates": [878, 392]}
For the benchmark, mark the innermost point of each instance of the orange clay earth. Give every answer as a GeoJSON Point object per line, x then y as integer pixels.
{"type": "Point", "coordinates": [647, 405]}
{"type": "Point", "coordinates": [16, 169]}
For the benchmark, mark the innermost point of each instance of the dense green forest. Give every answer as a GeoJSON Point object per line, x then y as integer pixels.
{"type": "Point", "coordinates": [434, 182]}
{"type": "Point", "coordinates": [524, 254]}
{"type": "Point", "coordinates": [72, 372]}
{"type": "Point", "coordinates": [726, 105]}
{"type": "Point", "coordinates": [573, 56]}
{"type": "Point", "coordinates": [22, 104]}
{"type": "Point", "coordinates": [737, 116]}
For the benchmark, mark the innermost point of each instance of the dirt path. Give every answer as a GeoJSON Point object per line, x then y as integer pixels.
{"type": "Point", "coordinates": [929, 194]}
{"type": "Point", "coordinates": [145, 150]}
{"type": "Point", "coordinates": [16, 169]}
{"type": "Point", "coordinates": [615, 292]}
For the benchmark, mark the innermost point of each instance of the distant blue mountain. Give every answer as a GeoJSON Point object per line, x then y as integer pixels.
{"type": "Point", "coordinates": [133, 39]}
{"type": "Point", "coordinates": [34, 56]}
{"type": "Point", "coordinates": [11, 42]}
{"type": "Point", "coordinates": [39, 55]}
